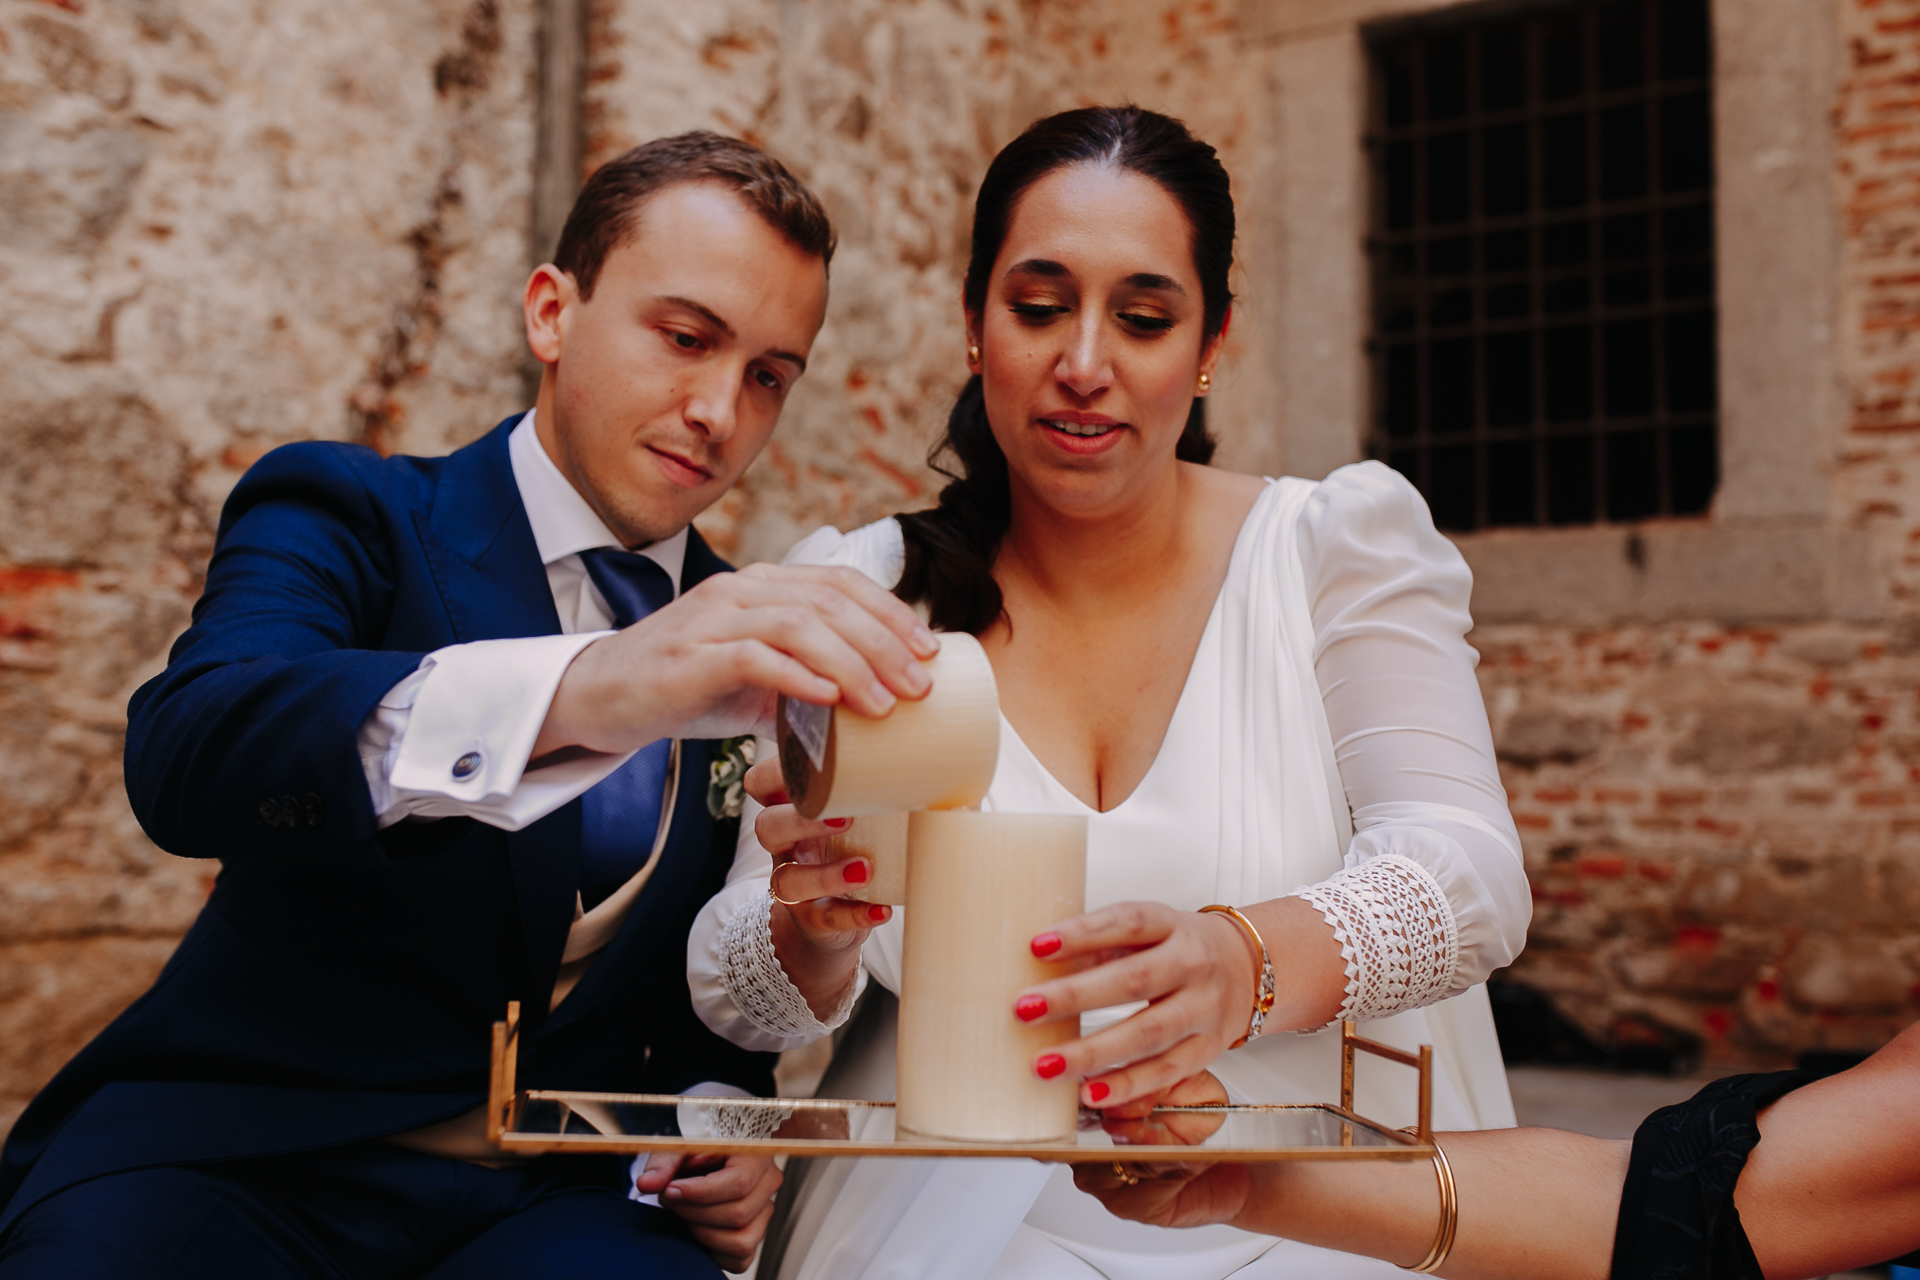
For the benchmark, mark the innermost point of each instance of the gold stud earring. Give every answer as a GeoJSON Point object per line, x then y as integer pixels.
{"type": "Point", "coordinates": [973, 355]}
{"type": "Point", "coordinates": [1206, 383]}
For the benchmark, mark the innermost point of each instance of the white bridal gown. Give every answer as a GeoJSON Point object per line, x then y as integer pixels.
{"type": "Point", "coordinates": [1330, 739]}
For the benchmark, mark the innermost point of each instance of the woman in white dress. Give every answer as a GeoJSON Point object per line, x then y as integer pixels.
{"type": "Point", "coordinates": [1257, 692]}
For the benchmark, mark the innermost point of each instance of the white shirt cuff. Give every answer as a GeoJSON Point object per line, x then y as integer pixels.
{"type": "Point", "coordinates": [453, 738]}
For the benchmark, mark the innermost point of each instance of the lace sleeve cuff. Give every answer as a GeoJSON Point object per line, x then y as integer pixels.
{"type": "Point", "coordinates": [1396, 931]}
{"type": "Point", "coordinates": [752, 975]}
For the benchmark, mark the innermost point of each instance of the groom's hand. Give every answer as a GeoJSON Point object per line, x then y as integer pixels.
{"type": "Point", "coordinates": [709, 664]}
{"type": "Point", "coordinates": [726, 1205]}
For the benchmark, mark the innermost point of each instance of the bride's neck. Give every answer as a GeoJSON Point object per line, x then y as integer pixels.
{"type": "Point", "coordinates": [1118, 551]}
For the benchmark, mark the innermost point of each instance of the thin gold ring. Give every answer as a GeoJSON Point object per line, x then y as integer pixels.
{"type": "Point", "coordinates": [773, 886]}
{"type": "Point", "coordinates": [1120, 1172]}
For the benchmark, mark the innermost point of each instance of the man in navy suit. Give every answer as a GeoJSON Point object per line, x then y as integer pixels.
{"type": "Point", "coordinates": [447, 725]}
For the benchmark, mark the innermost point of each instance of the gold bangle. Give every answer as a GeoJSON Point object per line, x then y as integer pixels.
{"type": "Point", "coordinates": [1449, 1215]}
{"type": "Point", "coordinates": [1264, 987]}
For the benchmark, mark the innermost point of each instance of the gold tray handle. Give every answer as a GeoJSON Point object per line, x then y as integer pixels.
{"type": "Point", "coordinates": [1350, 1039]}
{"type": "Point", "coordinates": [501, 1096]}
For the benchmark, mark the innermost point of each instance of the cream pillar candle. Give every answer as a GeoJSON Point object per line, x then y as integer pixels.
{"type": "Point", "coordinates": [881, 838]}
{"type": "Point", "coordinates": [936, 753]}
{"type": "Point", "coordinates": [979, 886]}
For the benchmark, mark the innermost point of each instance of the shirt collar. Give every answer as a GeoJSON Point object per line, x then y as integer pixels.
{"type": "Point", "coordinates": [563, 524]}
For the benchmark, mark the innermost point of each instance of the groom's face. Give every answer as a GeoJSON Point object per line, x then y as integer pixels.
{"type": "Point", "coordinates": [664, 385]}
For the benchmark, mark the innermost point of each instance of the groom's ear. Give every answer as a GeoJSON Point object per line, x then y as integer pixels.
{"type": "Point", "coordinates": [550, 294]}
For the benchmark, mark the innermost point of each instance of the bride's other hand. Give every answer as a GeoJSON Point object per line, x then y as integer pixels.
{"type": "Point", "coordinates": [1198, 971]}
{"type": "Point", "coordinates": [805, 882]}
{"type": "Point", "coordinates": [1138, 1124]}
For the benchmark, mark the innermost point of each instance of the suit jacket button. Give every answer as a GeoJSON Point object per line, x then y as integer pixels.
{"type": "Point", "coordinates": [270, 812]}
{"type": "Point", "coordinates": [467, 765]}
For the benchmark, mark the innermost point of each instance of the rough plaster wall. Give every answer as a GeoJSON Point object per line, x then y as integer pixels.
{"type": "Point", "coordinates": [223, 226]}
{"type": "Point", "coordinates": [891, 109]}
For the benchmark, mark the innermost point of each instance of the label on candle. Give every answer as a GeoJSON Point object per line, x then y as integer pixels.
{"type": "Point", "coordinates": [809, 724]}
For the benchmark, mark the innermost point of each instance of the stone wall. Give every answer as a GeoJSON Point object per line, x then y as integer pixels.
{"type": "Point", "coordinates": [891, 109]}
{"type": "Point", "coordinates": [223, 225]}
{"type": "Point", "coordinates": [1715, 816]}
{"type": "Point", "coordinates": [1722, 823]}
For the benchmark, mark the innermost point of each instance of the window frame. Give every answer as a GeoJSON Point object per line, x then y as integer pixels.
{"type": "Point", "coordinates": [1567, 472]}
{"type": "Point", "coordinates": [1771, 547]}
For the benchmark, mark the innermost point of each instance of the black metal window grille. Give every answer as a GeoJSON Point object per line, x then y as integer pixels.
{"type": "Point", "coordinates": [1542, 256]}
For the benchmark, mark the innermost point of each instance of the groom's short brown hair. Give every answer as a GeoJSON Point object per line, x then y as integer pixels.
{"type": "Point", "coordinates": [608, 208]}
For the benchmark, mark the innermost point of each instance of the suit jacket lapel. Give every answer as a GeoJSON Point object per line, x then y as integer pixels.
{"type": "Point", "coordinates": [480, 545]}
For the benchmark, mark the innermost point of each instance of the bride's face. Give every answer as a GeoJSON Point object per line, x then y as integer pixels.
{"type": "Point", "coordinates": [1090, 339]}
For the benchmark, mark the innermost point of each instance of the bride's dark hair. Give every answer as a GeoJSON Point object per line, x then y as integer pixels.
{"type": "Point", "coordinates": [950, 548]}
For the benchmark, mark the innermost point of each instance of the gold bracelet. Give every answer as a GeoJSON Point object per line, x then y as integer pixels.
{"type": "Point", "coordinates": [1264, 988]}
{"type": "Point", "coordinates": [1449, 1215]}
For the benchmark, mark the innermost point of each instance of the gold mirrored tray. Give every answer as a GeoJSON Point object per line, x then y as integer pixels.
{"type": "Point", "coordinates": [544, 1122]}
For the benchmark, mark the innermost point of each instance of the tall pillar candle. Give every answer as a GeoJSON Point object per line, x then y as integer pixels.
{"type": "Point", "coordinates": [979, 886]}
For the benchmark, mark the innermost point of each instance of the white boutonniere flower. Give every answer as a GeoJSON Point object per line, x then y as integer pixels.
{"type": "Point", "coordinates": [727, 777]}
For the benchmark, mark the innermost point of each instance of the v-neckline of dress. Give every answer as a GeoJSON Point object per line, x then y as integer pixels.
{"type": "Point", "coordinates": [1180, 704]}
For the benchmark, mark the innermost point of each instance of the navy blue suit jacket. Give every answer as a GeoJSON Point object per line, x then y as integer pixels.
{"type": "Point", "coordinates": [341, 981]}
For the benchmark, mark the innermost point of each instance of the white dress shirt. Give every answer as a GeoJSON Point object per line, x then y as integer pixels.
{"type": "Point", "coordinates": [453, 738]}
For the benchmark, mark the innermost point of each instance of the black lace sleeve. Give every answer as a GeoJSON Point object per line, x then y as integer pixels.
{"type": "Point", "coordinates": [1677, 1218]}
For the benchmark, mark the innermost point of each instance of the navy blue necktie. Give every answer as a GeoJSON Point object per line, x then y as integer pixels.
{"type": "Point", "coordinates": [622, 810]}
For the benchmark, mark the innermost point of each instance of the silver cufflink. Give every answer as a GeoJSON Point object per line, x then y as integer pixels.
{"type": "Point", "coordinates": [467, 765]}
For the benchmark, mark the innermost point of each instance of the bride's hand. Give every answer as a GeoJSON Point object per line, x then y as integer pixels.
{"type": "Point", "coordinates": [1199, 972]}
{"type": "Point", "coordinates": [803, 875]}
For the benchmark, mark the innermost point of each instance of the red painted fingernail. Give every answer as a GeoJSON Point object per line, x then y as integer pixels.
{"type": "Point", "coordinates": [855, 873]}
{"type": "Point", "coordinates": [838, 824]}
{"type": "Point", "coordinates": [1027, 1008]}
{"type": "Point", "coordinates": [877, 914]}
{"type": "Point", "coordinates": [1046, 944]}
{"type": "Point", "coordinates": [1049, 1065]}
{"type": "Point", "coordinates": [1097, 1092]}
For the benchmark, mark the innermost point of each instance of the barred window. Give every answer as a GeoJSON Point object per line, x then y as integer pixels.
{"type": "Point", "coordinates": [1542, 260]}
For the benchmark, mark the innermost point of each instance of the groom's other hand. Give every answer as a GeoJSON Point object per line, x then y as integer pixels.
{"type": "Point", "coordinates": [708, 665]}
{"type": "Point", "coordinates": [726, 1206]}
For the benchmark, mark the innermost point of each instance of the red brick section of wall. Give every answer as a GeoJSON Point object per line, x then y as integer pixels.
{"type": "Point", "coordinates": [1722, 829]}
